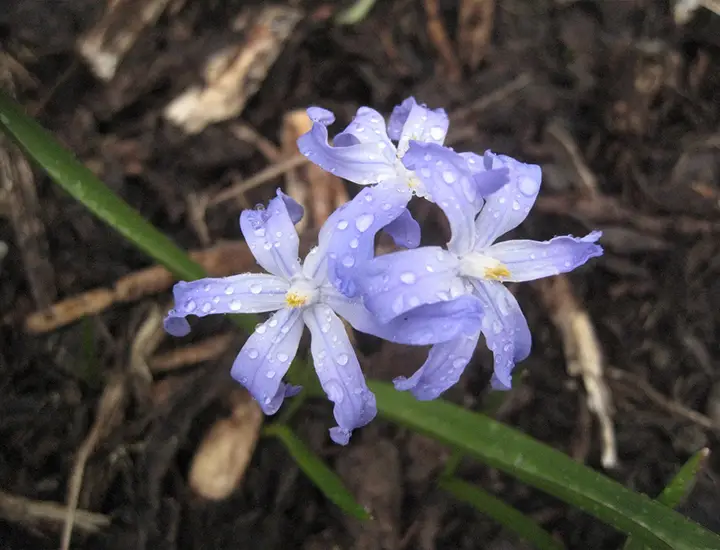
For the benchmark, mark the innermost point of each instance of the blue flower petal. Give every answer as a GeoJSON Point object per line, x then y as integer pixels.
{"type": "Point", "coordinates": [395, 283]}
{"type": "Point", "coordinates": [339, 372]}
{"type": "Point", "coordinates": [266, 357]}
{"type": "Point", "coordinates": [412, 121]}
{"type": "Point", "coordinates": [505, 329]}
{"type": "Point", "coordinates": [529, 260]}
{"type": "Point", "coordinates": [444, 365]}
{"type": "Point", "coordinates": [505, 209]}
{"type": "Point", "coordinates": [404, 230]}
{"type": "Point", "coordinates": [360, 162]}
{"type": "Point", "coordinates": [246, 293]}
{"type": "Point", "coordinates": [271, 235]}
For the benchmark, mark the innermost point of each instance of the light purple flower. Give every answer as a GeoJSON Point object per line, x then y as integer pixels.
{"type": "Point", "coordinates": [300, 295]}
{"type": "Point", "coordinates": [471, 264]}
{"type": "Point", "coordinates": [365, 154]}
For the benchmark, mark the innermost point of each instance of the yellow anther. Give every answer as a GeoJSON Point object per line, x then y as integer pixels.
{"type": "Point", "coordinates": [497, 272]}
{"type": "Point", "coordinates": [293, 299]}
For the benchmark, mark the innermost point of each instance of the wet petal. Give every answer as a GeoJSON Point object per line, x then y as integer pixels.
{"type": "Point", "coordinates": [505, 329]}
{"type": "Point", "coordinates": [368, 126]}
{"type": "Point", "coordinates": [266, 356]}
{"type": "Point", "coordinates": [362, 163]}
{"type": "Point", "coordinates": [444, 365]}
{"type": "Point", "coordinates": [246, 293]}
{"type": "Point", "coordinates": [484, 176]}
{"type": "Point", "coordinates": [347, 238]}
{"type": "Point", "coordinates": [447, 179]}
{"type": "Point", "coordinates": [507, 208]}
{"type": "Point", "coordinates": [339, 372]}
{"type": "Point", "coordinates": [404, 230]}
{"type": "Point", "coordinates": [530, 260]}
{"type": "Point", "coordinates": [424, 325]}
{"type": "Point", "coordinates": [395, 283]}
{"type": "Point", "coordinates": [413, 121]}
{"type": "Point", "coordinates": [271, 235]}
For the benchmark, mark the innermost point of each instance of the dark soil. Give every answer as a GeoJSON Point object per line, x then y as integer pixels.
{"type": "Point", "coordinates": [637, 95]}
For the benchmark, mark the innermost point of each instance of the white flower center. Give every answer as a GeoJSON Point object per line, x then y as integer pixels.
{"type": "Point", "coordinates": [481, 266]}
{"type": "Point", "coordinates": [302, 293]}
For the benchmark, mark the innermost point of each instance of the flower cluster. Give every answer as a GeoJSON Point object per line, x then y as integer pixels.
{"type": "Point", "coordinates": [444, 297]}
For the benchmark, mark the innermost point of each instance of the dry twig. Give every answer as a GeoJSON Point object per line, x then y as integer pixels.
{"type": "Point", "coordinates": [441, 41]}
{"type": "Point", "coordinates": [475, 25]}
{"type": "Point", "coordinates": [205, 350]}
{"type": "Point", "coordinates": [582, 354]}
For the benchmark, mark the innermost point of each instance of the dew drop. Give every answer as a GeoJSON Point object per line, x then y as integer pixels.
{"type": "Point", "coordinates": [206, 307]}
{"type": "Point", "coordinates": [235, 305]}
{"type": "Point", "coordinates": [215, 300]}
{"type": "Point", "coordinates": [342, 359]}
{"type": "Point", "coordinates": [261, 329]}
{"type": "Point", "coordinates": [528, 186]}
{"type": "Point", "coordinates": [282, 357]}
{"type": "Point", "coordinates": [190, 305]}
{"type": "Point", "coordinates": [354, 243]}
{"type": "Point", "coordinates": [260, 232]}
{"type": "Point", "coordinates": [270, 374]}
{"type": "Point", "coordinates": [206, 288]}
{"type": "Point", "coordinates": [408, 278]}
{"type": "Point", "coordinates": [516, 205]}
{"type": "Point", "coordinates": [256, 288]}
{"type": "Point", "coordinates": [252, 353]}
{"type": "Point", "coordinates": [448, 176]}
{"type": "Point", "coordinates": [364, 222]}
{"type": "Point", "coordinates": [229, 290]}
{"type": "Point", "coordinates": [437, 133]}
{"type": "Point", "coordinates": [273, 323]}
{"type": "Point", "coordinates": [425, 172]}
{"type": "Point", "coordinates": [348, 261]}
{"type": "Point", "coordinates": [334, 391]}
{"type": "Point", "coordinates": [342, 224]}
{"type": "Point", "coordinates": [497, 327]}
{"type": "Point", "coordinates": [386, 206]}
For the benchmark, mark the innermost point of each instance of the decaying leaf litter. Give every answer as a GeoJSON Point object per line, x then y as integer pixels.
{"type": "Point", "coordinates": [189, 111]}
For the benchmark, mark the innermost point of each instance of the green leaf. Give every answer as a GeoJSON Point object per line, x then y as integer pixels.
{"type": "Point", "coordinates": [676, 491]}
{"type": "Point", "coordinates": [505, 515]}
{"type": "Point", "coordinates": [545, 468]}
{"type": "Point", "coordinates": [324, 478]}
{"type": "Point", "coordinates": [82, 184]}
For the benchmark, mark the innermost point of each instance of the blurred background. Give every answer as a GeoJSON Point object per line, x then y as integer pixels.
{"type": "Point", "coordinates": [190, 111]}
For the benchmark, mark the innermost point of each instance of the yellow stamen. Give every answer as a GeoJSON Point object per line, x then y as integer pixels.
{"type": "Point", "coordinates": [293, 299]}
{"type": "Point", "coordinates": [497, 272]}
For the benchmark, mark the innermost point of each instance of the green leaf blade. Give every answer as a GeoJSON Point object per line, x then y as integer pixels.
{"type": "Point", "coordinates": [77, 180]}
{"type": "Point", "coordinates": [545, 468]}
{"type": "Point", "coordinates": [321, 475]}
{"type": "Point", "coordinates": [505, 515]}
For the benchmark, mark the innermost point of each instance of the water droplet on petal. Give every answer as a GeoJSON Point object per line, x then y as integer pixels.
{"type": "Point", "coordinates": [425, 172]}
{"type": "Point", "coordinates": [437, 133]}
{"type": "Point", "coordinates": [229, 290]}
{"type": "Point", "coordinates": [497, 327]}
{"type": "Point", "coordinates": [206, 307]}
{"type": "Point", "coordinates": [342, 359]}
{"type": "Point", "coordinates": [386, 206]}
{"type": "Point", "coordinates": [215, 300]}
{"type": "Point", "coordinates": [260, 232]}
{"type": "Point", "coordinates": [408, 278]}
{"type": "Point", "coordinates": [273, 323]}
{"type": "Point", "coordinates": [261, 329]}
{"type": "Point", "coordinates": [235, 305]}
{"type": "Point", "coordinates": [206, 288]}
{"type": "Point", "coordinates": [256, 288]}
{"type": "Point", "coordinates": [528, 186]}
{"type": "Point", "coordinates": [342, 224]}
{"type": "Point", "coordinates": [364, 222]}
{"type": "Point", "coordinates": [348, 261]}
{"type": "Point", "coordinates": [334, 391]}
{"type": "Point", "coordinates": [516, 205]}
{"type": "Point", "coordinates": [397, 305]}
{"type": "Point", "coordinates": [354, 243]}
{"type": "Point", "coordinates": [448, 176]}
{"type": "Point", "coordinates": [270, 374]}
{"type": "Point", "coordinates": [252, 353]}
{"type": "Point", "coordinates": [190, 305]}
{"type": "Point", "coordinates": [282, 357]}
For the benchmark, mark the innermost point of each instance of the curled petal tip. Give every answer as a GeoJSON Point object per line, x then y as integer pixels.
{"type": "Point", "coordinates": [176, 326]}
{"type": "Point", "coordinates": [340, 435]}
{"type": "Point", "coordinates": [320, 115]}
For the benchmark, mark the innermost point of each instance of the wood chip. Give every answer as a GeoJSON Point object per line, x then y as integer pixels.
{"type": "Point", "coordinates": [234, 74]}
{"type": "Point", "coordinates": [222, 458]}
{"type": "Point", "coordinates": [475, 26]}
{"type": "Point", "coordinates": [104, 46]}
{"type": "Point", "coordinates": [205, 350]}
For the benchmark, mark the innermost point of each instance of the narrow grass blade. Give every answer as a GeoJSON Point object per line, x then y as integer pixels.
{"type": "Point", "coordinates": [324, 478]}
{"type": "Point", "coordinates": [545, 468]}
{"type": "Point", "coordinates": [82, 184]}
{"type": "Point", "coordinates": [505, 515]}
{"type": "Point", "coordinates": [677, 490]}
{"type": "Point", "coordinates": [355, 13]}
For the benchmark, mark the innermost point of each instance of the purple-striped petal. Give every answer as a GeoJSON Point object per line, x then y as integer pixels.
{"type": "Point", "coordinates": [505, 329]}
{"type": "Point", "coordinates": [442, 369]}
{"type": "Point", "coordinates": [348, 236]}
{"type": "Point", "coordinates": [339, 372]}
{"type": "Point", "coordinates": [413, 121]}
{"type": "Point", "coordinates": [529, 260]}
{"type": "Point", "coordinates": [398, 282]}
{"type": "Point", "coordinates": [404, 230]}
{"type": "Point", "coordinates": [361, 162]}
{"type": "Point", "coordinates": [507, 208]}
{"type": "Point", "coordinates": [246, 293]}
{"type": "Point", "coordinates": [424, 325]}
{"type": "Point", "coordinates": [271, 235]}
{"type": "Point", "coordinates": [447, 180]}
{"type": "Point", "coordinates": [266, 356]}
